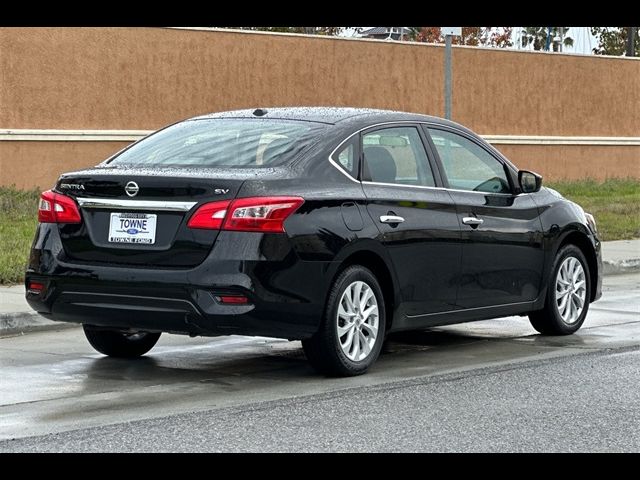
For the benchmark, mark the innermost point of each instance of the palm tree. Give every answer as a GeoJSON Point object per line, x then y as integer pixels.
{"type": "Point", "coordinates": [538, 37]}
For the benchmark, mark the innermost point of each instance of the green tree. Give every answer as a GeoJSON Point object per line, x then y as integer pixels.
{"type": "Point", "coordinates": [613, 40]}
{"type": "Point", "coordinates": [474, 36]}
{"type": "Point", "coordinates": [537, 36]}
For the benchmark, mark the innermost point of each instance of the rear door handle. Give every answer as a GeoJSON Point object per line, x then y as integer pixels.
{"type": "Point", "coordinates": [473, 221]}
{"type": "Point", "coordinates": [391, 219]}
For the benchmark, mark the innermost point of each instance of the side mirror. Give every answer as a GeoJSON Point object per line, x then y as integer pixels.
{"type": "Point", "coordinates": [530, 182]}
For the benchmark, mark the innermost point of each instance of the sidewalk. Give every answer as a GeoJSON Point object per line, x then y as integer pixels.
{"type": "Point", "coordinates": [16, 317]}
{"type": "Point", "coordinates": [621, 256]}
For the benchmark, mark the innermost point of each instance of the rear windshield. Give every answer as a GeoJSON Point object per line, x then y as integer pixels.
{"type": "Point", "coordinates": [222, 143]}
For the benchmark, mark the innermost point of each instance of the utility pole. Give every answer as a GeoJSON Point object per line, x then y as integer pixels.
{"type": "Point", "coordinates": [448, 33]}
{"type": "Point", "coordinates": [447, 77]}
{"type": "Point", "coordinates": [561, 32]}
{"type": "Point", "coordinates": [631, 36]}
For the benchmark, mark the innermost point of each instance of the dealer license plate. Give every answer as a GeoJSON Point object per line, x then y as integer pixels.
{"type": "Point", "coordinates": [133, 228]}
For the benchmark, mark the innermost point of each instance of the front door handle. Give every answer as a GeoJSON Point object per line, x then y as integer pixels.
{"type": "Point", "coordinates": [473, 221]}
{"type": "Point", "coordinates": [391, 219]}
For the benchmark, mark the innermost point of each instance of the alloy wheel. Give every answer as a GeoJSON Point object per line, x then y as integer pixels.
{"type": "Point", "coordinates": [571, 290]}
{"type": "Point", "coordinates": [357, 321]}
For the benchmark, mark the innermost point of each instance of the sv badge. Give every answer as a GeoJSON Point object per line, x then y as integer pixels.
{"type": "Point", "coordinates": [221, 191]}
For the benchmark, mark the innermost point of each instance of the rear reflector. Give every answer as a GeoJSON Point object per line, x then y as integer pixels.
{"type": "Point", "coordinates": [233, 299]}
{"type": "Point", "coordinates": [35, 287]}
{"type": "Point", "coordinates": [255, 214]}
{"type": "Point", "coordinates": [57, 208]}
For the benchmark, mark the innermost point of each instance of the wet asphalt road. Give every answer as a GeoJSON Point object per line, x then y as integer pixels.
{"type": "Point", "coordinates": [486, 386]}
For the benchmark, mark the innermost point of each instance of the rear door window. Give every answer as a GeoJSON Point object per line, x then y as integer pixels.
{"type": "Point", "coordinates": [396, 155]}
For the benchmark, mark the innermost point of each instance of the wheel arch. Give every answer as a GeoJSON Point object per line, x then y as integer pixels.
{"type": "Point", "coordinates": [383, 273]}
{"type": "Point", "coordinates": [582, 241]}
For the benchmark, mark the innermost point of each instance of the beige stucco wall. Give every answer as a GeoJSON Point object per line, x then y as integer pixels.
{"type": "Point", "coordinates": [144, 78]}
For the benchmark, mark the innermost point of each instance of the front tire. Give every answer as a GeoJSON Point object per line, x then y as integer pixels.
{"type": "Point", "coordinates": [568, 294]}
{"type": "Point", "coordinates": [352, 331]}
{"type": "Point", "coordinates": [120, 344]}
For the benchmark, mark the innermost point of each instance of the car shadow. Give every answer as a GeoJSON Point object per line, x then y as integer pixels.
{"type": "Point", "coordinates": [425, 338]}
{"type": "Point", "coordinates": [224, 364]}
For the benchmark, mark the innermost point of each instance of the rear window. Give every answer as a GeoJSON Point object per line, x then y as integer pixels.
{"type": "Point", "coordinates": [222, 143]}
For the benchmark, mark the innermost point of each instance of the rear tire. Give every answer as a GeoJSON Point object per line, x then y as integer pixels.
{"type": "Point", "coordinates": [120, 344]}
{"type": "Point", "coordinates": [353, 327]}
{"type": "Point", "coordinates": [568, 294]}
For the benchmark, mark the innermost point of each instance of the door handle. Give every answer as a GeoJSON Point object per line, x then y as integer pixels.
{"type": "Point", "coordinates": [391, 219]}
{"type": "Point", "coordinates": [473, 221]}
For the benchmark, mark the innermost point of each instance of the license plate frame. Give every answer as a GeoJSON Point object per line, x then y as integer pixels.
{"type": "Point", "coordinates": [132, 228]}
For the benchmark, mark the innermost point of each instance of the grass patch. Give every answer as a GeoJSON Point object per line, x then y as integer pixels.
{"type": "Point", "coordinates": [614, 203]}
{"type": "Point", "coordinates": [18, 221]}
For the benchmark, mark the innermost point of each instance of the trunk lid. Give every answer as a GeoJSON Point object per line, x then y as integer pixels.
{"type": "Point", "coordinates": [138, 217]}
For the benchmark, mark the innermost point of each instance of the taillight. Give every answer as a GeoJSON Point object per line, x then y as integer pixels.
{"type": "Point", "coordinates": [255, 214]}
{"type": "Point", "coordinates": [209, 216]}
{"type": "Point", "coordinates": [57, 208]}
{"type": "Point", "coordinates": [261, 214]}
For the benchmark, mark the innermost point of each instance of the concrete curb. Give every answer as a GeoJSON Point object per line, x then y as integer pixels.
{"type": "Point", "coordinates": [621, 267]}
{"type": "Point", "coordinates": [19, 323]}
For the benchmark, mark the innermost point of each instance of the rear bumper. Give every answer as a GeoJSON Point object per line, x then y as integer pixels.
{"type": "Point", "coordinates": [286, 295]}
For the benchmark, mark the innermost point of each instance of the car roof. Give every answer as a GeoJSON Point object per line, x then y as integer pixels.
{"type": "Point", "coordinates": [330, 115]}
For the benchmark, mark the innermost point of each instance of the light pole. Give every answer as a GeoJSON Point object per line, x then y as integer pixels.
{"type": "Point", "coordinates": [561, 39]}
{"type": "Point", "coordinates": [448, 33]}
{"type": "Point", "coordinates": [447, 77]}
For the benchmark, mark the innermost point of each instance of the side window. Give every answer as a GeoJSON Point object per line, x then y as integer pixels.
{"type": "Point", "coordinates": [468, 166]}
{"type": "Point", "coordinates": [396, 155]}
{"type": "Point", "coordinates": [346, 157]}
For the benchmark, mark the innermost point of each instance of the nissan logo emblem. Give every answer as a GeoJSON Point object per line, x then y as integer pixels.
{"type": "Point", "coordinates": [131, 189]}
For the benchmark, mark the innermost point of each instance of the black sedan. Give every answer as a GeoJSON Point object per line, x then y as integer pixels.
{"type": "Point", "coordinates": [334, 226]}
